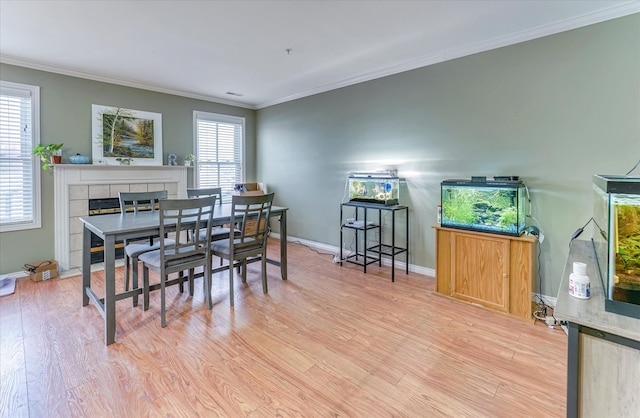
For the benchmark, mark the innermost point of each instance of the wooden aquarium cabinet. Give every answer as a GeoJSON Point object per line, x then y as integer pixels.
{"type": "Point", "coordinates": [490, 270]}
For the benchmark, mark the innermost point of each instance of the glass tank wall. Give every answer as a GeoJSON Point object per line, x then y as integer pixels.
{"type": "Point", "coordinates": [485, 206]}
{"type": "Point", "coordinates": [379, 188]}
{"type": "Point", "coordinates": [616, 239]}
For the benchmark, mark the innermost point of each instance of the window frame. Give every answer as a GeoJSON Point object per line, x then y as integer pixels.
{"type": "Point", "coordinates": [218, 118]}
{"type": "Point", "coordinates": [36, 221]}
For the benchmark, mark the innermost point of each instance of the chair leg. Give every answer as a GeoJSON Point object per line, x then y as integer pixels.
{"type": "Point", "coordinates": [264, 273]}
{"type": "Point", "coordinates": [181, 285]}
{"type": "Point", "coordinates": [163, 313]}
{"type": "Point", "coordinates": [207, 285]}
{"type": "Point", "coordinates": [191, 280]}
{"type": "Point", "coordinates": [231, 282]}
{"type": "Point", "coordinates": [145, 285]}
{"type": "Point", "coordinates": [244, 270]}
{"type": "Point", "coordinates": [134, 278]}
{"type": "Point", "coordinates": [126, 272]}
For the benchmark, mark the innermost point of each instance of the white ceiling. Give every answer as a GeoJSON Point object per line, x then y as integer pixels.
{"type": "Point", "coordinates": [205, 49]}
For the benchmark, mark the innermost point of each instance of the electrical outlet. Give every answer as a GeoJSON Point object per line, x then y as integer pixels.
{"type": "Point", "coordinates": [551, 321]}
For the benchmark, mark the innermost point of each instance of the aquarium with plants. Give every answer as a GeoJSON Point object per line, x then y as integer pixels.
{"type": "Point", "coordinates": [616, 239]}
{"type": "Point", "coordinates": [376, 187]}
{"type": "Point", "coordinates": [494, 206]}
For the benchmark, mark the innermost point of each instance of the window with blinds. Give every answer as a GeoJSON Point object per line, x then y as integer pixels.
{"type": "Point", "coordinates": [219, 145]}
{"type": "Point", "coordinates": [19, 169]}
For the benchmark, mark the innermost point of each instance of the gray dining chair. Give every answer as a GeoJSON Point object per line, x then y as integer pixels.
{"type": "Point", "coordinates": [219, 232]}
{"type": "Point", "coordinates": [205, 191]}
{"type": "Point", "coordinates": [132, 203]}
{"type": "Point", "coordinates": [189, 251]}
{"type": "Point", "coordinates": [252, 239]}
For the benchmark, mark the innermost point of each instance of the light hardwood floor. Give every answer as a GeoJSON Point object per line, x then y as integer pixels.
{"type": "Point", "coordinates": [330, 341]}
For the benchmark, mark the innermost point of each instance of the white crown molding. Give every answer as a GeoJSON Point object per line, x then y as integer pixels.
{"type": "Point", "coordinates": [372, 75]}
{"type": "Point", "coordinates": [587, 19]}
{"type": "Point", "coordinates": [625, 9]}
{"type": "Point", "coordinates": [7, 59]}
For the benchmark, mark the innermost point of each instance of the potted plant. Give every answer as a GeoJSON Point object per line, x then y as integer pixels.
{"type": "Point", "coordinates": [189, 159]}
{"type": "Point", "coordinates": [49, 154]}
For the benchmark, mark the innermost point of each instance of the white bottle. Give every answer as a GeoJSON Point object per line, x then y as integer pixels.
{"type": "Point", "coordinates": [579, 284]}
{"type": "Point", "coordinates": [439, 215]}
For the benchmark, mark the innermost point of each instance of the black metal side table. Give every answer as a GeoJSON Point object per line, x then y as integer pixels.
{"type": "Point", "coordinates": [361, 224]}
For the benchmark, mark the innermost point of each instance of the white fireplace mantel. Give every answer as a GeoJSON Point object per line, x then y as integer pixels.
{"type": "Point", "coordinates": [75, 184]}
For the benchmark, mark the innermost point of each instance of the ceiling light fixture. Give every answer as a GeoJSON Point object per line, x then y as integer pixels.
{"type": "Point", "coordinates": [230, 93]}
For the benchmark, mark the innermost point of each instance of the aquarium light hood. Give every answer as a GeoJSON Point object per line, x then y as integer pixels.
{"type": "Point", "coordinates": [617, 184]}
{"type": "Point", "coordinates": [482, 180]}
{"type": "Point", "coordinates": [382, 174]}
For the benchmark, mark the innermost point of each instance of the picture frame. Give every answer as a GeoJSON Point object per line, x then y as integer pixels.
{"type": "Point", "coordinates": [125, 136]}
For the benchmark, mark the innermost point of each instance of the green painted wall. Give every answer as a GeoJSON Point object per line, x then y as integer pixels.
{"type": "Point", "coordinates": [65, 116]}
{"type": "Point", "coordinates": [553, 111]}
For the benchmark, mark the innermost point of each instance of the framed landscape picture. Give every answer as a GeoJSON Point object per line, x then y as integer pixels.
{"type": "Point", "coordinates": [126, 136]}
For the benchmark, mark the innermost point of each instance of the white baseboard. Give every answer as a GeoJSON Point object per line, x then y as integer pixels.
{"type": "Point", "coordinates": [550, 301]}
{"type": "Point", "coordinates": [65, 274]}
{"type": "Point", "coordinates": [334, 251]}
{"type": "Point", "coordinates": [16, 275]}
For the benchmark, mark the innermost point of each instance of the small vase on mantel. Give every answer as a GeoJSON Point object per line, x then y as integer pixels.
{"type": "Point", "coordinates": [189, 159]}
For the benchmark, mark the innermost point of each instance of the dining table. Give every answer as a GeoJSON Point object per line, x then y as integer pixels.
{"type": "Point", "coordinates": [113, 228]}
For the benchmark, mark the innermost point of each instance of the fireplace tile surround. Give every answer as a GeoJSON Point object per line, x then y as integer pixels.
{"type": "Point", "coordinates": [75, 184]}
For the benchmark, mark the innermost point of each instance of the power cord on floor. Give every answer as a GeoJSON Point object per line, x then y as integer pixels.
{"type": "Point", "coordinates": [335, 257]}
{"type": "Point", "coordinates": [549, 320]}
{"type": "Point", "coordinates": [346, 252]}
{"type": "Point", "coordinates": [543, 314]}
{"type": "Point", "coordinates": [315, 250]}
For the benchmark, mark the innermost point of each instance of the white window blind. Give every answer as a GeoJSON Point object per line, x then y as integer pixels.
{"type": "Point", "coordinates": [219, 145]}
{"type": "Point", "coordinates": [19, 169]}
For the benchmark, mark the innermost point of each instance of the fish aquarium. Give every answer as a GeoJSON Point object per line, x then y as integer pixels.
{"type": "Point", "coordinates": [616, 241]}
{"type": "Point", "coordinates": [495, 206]}
{"type": "Point", "coordinates": [377, 187]}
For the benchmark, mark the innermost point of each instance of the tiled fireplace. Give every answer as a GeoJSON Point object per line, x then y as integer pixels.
{"type": "Point", "coordinates": [75, 184]}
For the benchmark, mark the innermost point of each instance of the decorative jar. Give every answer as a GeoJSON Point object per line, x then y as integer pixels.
{"type": "Point", "coordinates": [78, 159]}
